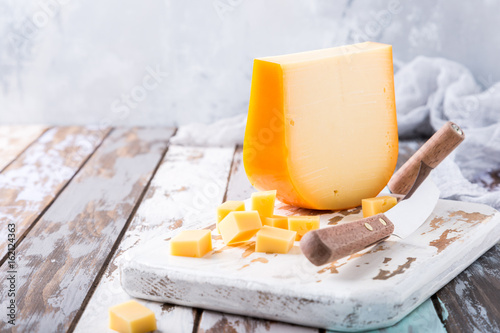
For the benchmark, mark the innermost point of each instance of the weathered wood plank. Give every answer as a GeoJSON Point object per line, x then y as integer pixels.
{"type": "Point", "coordinates": [184, 193]}
{"type": "Point", "coordinates": [61, 257]}
{"type": "Point", "coordinates": [471, 302]}
{"type": "Point", "coordinates": [239, 188]}
{"type": "Point", "coordinates": [34, 179]}
{"type": "Point", "coordinates": [215, 322]}
{"type": "Point", "coordinates": [15, 139]}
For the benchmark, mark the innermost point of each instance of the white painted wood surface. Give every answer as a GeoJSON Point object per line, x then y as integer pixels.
{"type": "Point", "coordinates": [374, 289]}
{"type": "Point", "coordinates": [187, 188]}
{"type": "Point", "coordinates": [59, 260]}
{"type": "Point", "coordinates": [239, 187]}
{"type": "Point", "coordinates": [32, 181]}
{"type": "Point", "coordinates": [15, 139]}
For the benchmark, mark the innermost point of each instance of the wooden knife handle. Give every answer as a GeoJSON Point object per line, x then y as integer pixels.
{"type": "Point", "coordinates": [322, 246]}
{"type": "Point", "coordinates": [440, 145]}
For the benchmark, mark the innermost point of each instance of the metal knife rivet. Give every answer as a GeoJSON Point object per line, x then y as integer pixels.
{"type": "Point", "coordinates": [456, 128]}
{"type": "Point", "coordinates": [369, 227]}
{"type": "Point", "coordinates": [382, 221]}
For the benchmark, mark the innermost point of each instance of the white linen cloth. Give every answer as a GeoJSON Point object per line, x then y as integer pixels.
{"type": "Point", "coordinates": [429, 92]}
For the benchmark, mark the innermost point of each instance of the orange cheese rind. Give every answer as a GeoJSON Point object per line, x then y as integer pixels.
{"type": "Point", "coordinates": [321, 126]}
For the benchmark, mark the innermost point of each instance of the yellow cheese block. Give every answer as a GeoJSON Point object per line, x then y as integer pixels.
{"type": "Point", "coordinates": [191, 243]}
{"type": "Point", "coordinates": [321, 125]}
{"type": "Point", "coordinates": [239, 226]}
{"type": "Point", "coordinates": [131, 317]}
{"type": "Point", "coordinates": [226, 208]}
{"type": "Point", "coordinates": [302, 224]}
{"type": "Point", "coordinates": [276, 221]}
{"type": "Point", "coordinates": [377, 205]}
{"type": "Point", "coordinates": [263, 202]}
{"type": "Point", "coordinates": [274, 240]}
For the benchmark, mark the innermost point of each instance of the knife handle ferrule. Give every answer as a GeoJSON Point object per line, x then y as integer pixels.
{"type": "Point", "coordinates": [329, 244]}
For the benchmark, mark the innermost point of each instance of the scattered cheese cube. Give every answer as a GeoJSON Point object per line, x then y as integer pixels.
{"type": "Point", "coordinates": [276, 221]}
{"type": "Point", "coordinates": [131, 317]}
{"type": "Point", "coordinates": [263, 202]}
{"type": "Point", "coordinates": [239, 226]}
{"type": "Point", "coordinates": [302, 224]}
{"type": "Point", "coordinates": [226, 208]}
{"type": "Point", "coordinates": [377, 205]}
{"type": "Point", "coordinates": [274, 240]}
{"type": "Point", "coordinates": [191, 243]}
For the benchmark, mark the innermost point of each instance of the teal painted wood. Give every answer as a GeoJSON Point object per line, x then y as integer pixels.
{"type": "Point", "coordinates": [422, 319]}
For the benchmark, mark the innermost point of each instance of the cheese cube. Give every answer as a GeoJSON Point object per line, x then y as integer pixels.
{"type": "Point", "coordinates": [239, 226]}
{"type": "Point", "coordinates": [321, 126]}
{"type": "Point", "coordinates": [226, 208]}
{"type": "Point", "coordinates": [276, 221]}
{"type": "Point", "coordinates": [131, 317]}
{"type": "Point", "coordinates": [191, 243]}
{"type": "Point", "coordinates": [263, 202]}
{"type": "Point", "coordinates": [302, 224]}
{"type": "Point", "coordinates": [377, 205]}
{"type": "Point", "coordinates": [274, 240]}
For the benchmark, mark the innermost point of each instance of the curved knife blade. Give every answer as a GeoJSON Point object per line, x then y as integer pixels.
{"type": "Point", "coordinates": [328, 244]}
{"type": "Point", "coordinates": [410, 213]}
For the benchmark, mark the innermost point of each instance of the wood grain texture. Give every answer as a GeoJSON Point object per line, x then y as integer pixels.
{"type": "Point", "coordinates": [471, 302]}
{"type": "Point", "coordinates": [60, 258]}
{"type": "Point", "coordinates": [184, 194]}
{"type": "Point", "coordinates": [239, 188]}
{"type": "Point", "coordinates": [15, 139]}
{"type": "Point", "coordinates": [215, 322]}
{"type": "Point", "coordinates": [440, 145]}
{"type": "Point", "coordinates": [329, 244]}
{"type": "Point", "coordinates": [33, 180]}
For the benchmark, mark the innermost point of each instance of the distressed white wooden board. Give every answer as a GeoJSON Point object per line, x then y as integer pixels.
{"type": "Point", "coordinates": [372, 289]}
{"type": "Point", "coordinates": [15, 139]}
{"type": "Point", "coordinates": [189, 183]}
{"type": "Point", "coordinates": [423, 318]}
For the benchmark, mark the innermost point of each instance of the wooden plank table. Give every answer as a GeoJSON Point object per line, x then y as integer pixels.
{"type": "Point", "coordinates": [79, 198]}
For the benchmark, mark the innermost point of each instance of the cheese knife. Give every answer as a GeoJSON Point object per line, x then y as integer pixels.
{"type": "Point", "coordinates": [420, 196]}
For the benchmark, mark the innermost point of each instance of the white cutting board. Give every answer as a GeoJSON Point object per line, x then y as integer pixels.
{"type": "Point", "coordinates": [369, 290]}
